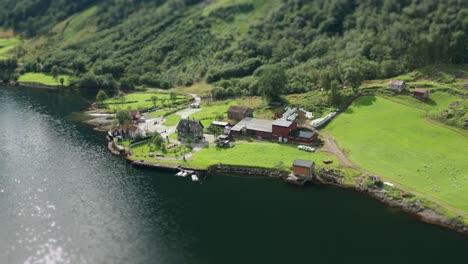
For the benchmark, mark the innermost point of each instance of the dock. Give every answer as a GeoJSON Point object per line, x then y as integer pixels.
{"type": "Point", "coordinates": [295, 180]}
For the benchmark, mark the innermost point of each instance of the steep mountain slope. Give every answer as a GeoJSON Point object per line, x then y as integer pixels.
{"type": "Point", "coordinates": [166, 43]}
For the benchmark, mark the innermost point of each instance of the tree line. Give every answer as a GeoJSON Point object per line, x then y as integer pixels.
{"type": "Point", "coordinates": [169, 43]}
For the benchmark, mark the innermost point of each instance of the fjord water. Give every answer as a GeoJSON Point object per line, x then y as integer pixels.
{"type": "Point", "coordinates": [65, 199]}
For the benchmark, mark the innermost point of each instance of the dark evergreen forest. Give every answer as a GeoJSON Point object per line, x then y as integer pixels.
{"type": "Point", "coordinates": [164, 43]}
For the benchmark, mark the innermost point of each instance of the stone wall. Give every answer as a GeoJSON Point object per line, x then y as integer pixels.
{"type": "Point", "coordinates": [247, 170]}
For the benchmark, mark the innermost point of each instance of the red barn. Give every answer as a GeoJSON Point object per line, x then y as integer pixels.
{"type": "Point", "coordinates": [282, 128]}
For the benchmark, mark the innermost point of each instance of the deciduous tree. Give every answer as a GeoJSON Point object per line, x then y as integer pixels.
{"type": "Point", "coordinates": [273, 83]}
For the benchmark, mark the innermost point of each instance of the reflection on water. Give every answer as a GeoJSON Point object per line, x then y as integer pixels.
{"type": "Point", "coordinates": [65, 199]}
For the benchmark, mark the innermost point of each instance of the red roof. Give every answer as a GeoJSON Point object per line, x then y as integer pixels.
{"type": "Point", "coordinates": [135, 114]}
{"type": "Point", "coordinates": [132, 128]}
{"type": "Point", "coordinates": [420, 90]}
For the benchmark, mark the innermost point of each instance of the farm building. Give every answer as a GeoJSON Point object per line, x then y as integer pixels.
{"type": "Point", "coordinates": [280, 130]}
{"type": "Point", "coordinates": [225, 126]}
{"type": "Point", "coordinates": [421, 94]}
{"type": "Point", "coordinates": [303, 168]}
{"type": "Point", "coordinates": [397, 85]}
{"type": "Point", "coordinates": [137, 117]}
{"type": "Point", "coordinates": [129, 131]}
{"type": "Point", "coordinates": [239, 112]}
{"type": "Point", "coordinates": [190, 128]}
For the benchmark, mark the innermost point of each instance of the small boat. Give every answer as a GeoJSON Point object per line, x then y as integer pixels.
{"type": "Point", "coordinates": [179, 174]}
{"type": "Point", "coordinates": [184, 174]}
{"type": "Point", "coordinates": [194, 177]}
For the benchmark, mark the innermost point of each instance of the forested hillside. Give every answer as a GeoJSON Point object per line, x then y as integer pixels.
{"type": "Point", "coordinates": [162, 43]}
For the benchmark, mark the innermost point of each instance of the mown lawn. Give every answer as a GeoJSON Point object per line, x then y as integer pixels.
{"type": "Point", "coordinates": [172, 120]}
{"type": "Point", "coordinates": [43, 78]}
{"type": "Point", "coordinates": [395, 141]}
{"type": "Point", "coordinates": [140, 101]}
{"type": "Point", "coordinates": [261, 154]}
{"type": "Point", "coordinates": [208, 113]}
{"type": "Point", "coordinates": [160, 113]}
{"type": "Point", "coordinates": [143, 151]}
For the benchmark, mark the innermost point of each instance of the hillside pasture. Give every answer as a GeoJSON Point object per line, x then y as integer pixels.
{"type": "Point", "coordinates": [397, 142]}
{"type": "Point", "coordinates": [7, 45]}
{"type": "Point", "coordinates": [141, 101]}
{"type": "Point", "coordinates": [43, 79]}
{"type": "Point", "coordinates": [208, 112]}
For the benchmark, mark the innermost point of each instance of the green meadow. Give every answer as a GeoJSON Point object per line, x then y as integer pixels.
{"type": "Point", "coordinates": [172, 120]}
{"type": "Point", "coordinates": [7, 45]}
{"type": "Point", "coordinates": [43, 78]}
{"type": "Point", "coordinates": [261, 154]}
{"type": "Point", "coordinates": [258, 154]}
{"type": "Point", "coordinates": [399, 143]}
{"type": "Point", "coordinates": [140, 101]}
{"type": "Point", "coordinates": [208, 113]}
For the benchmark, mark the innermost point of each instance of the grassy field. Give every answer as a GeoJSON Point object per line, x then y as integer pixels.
{"type": "Point", "coordinates": [199, 88]}
{"type": "Point", "coordinates": [262, 154]}
{"type": "Point", "coordinates": [139, 101]}
{"type": "Point", "coordinates": [7, 45]}
{"type": "Point", "coordinates": [43, 78]}
{"type": "Point", "coordinates": [208, 112]}
{"type": "Point", "coordinates": [259, 154]}
{"type": "Point", "coordinates": [431, 77]}
{"type": "Point", "coordinates": [172, 120]}
{"type": "Point", "coordinates": [397, 142]}
{"type": "Point", "coordinates": [160, 113]}
{"type": "Point", "coordinates": [142, 152]}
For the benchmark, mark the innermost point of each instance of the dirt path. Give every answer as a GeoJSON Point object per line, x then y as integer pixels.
{"type": "Point", "coordinates": [331, 147]}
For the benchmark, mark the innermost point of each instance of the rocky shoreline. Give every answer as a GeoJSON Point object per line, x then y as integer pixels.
{"type": "Point", "coordinates": [419, 211]}
{"type": "Point", "coordinates": [330, 177]}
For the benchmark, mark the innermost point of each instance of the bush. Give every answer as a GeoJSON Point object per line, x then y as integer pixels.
{"type": "Point", "coordinates": [245, 68]}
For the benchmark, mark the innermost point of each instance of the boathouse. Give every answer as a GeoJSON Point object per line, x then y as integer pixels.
{"type": "Point", "coordinates": [304, 168]}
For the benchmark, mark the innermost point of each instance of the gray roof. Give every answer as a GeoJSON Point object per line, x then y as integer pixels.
{"type": "Point", "coordinates": [189, 125]}
{"type": "Point", "coordinates": [254, 124]}
{"type": "Point", "coordinates": [238, 109]}
{"type": "Point", "coordinates": [397, 82]}
{"type": "Point", "coordinates": [219, 123]}
{"type": "Point", "coordinates": [303, 163]}
{"type": "Point", "coordinates": [282, 123]}
{"type": "Point", "coordinates": [306, 134]}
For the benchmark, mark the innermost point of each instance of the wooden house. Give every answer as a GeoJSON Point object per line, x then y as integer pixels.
{"type": "Point", "coordinates": [303, 168]}
{"type": "Point", "coordinates": [190, 128]}
{"type": "Point", "coordinates": [398, 86]}
{"type": "Point", "coordinates": [239, 112]}
{"type": "Point", "coordinates": [421, 94]}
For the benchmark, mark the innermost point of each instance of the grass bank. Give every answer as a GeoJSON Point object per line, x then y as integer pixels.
{"type": "Point", "coordinates": [140, 101]}
{"type": "Point", "coordinates": [44, 79]}
{"type": "Point", "coordinates": [259, 154]}
{"type": "Point", "coordinates": [398, 143]}
{"type": "Point", "coordinates": [7, 46]}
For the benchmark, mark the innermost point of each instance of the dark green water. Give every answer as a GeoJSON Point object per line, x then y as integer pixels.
{"type": "Point", "coordinates": [65, 199]}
